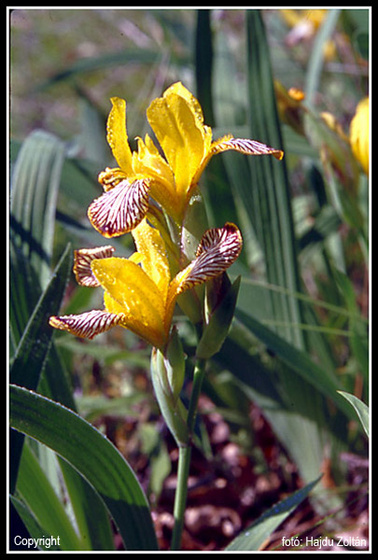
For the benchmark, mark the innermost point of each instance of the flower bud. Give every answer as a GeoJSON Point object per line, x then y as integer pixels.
{"type": "Point", "coordinates": [194, 225]}
{"type": "Point", "coordinates": [167, 373]}
{"type": "Point", "coordinates": [174, 362]}
{"type": "Point", "coordinates": [221, 299]}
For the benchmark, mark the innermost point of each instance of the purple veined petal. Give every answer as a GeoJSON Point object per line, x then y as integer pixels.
{"type": "Point", "coordinates": [82, 265]}
{"type": "Point", "coordinates": [87, 325]}
{"type": "Point", "coordinates": [246, 146]}
{"type": "Point", "coordinates": [121, 208]}
{"type": "Point", "coordinates": [218, 250]}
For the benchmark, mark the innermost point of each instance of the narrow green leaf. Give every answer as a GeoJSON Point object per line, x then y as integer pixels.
{"type": "Point", "coordinates": [24, 294]}
{"type": "Point", "coordinates": [32, 526]}
{"type": "Point", "coordinates": [315, 64]}
{"type": "Point", "coordinates": [267, 200]}
{"type": "Point", "coordinates": [91, 515]}
{"type": "Point", "coordinates": [204, 63]}
{"type": "Point", "coordinates": [361, 409]}
{"type": "Point", "coordinates": [35, 184]}
{"type": "Point", "coordinates": [93, 456]}
{"type": "Point", "coordinates": [34, 344]}
{"type": "Point", "coordinates": [33, 348]}
{"type": "Point", "coordinates": [37, 493]}
{"type": "Point", "coordinates": [299, 361]}
{"type": "Point", "coordinates": [253, 537]}
{"type": "Point", "coordinates": [91, 64]}
{"type": "Point", "coordinates": [267, 196]}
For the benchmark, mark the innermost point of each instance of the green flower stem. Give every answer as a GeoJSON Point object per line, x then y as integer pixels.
{"type": "Point", "coordinates": [199, 372]}
{"type": "Point", "coordinates": [184, 458]}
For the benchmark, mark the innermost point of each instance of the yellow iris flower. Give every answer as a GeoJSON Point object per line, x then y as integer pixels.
{"type": "Point", "coordinates": [177, 121]}
{"type": "Point", "coordinates": [359, 134]}
{"type": "Point", "coordinates": [140, 294]}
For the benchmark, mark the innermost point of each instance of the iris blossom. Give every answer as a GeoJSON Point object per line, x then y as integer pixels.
{"type": "Point", "coordinates": [140, 294]}
{"type": "Point", "coordinates": [177, 121]}
{"type": "Point", "coordinates": [359, 134]}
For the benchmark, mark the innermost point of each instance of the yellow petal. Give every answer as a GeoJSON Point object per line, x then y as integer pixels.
{"type": "Point", "coordinates": [147, 162]}
{"type": "Point", "coordinates": [111, 177]}
{"type": "Point", "coordinates": [117, 134]}
{"type": "Point", "coordinates": [359, 134]}
{"type": "Point", "coordinates": [133, 294]}
{"type": "Point", "coordinates": [177, 120]}
{"type": "Point", "coordinates": [152, 255]}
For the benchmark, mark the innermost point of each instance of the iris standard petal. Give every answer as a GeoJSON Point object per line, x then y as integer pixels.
{"type": "Point", "coordinates": [148, 162]}
{"type": "Point", "coordinates": [177, 124]}
{"type": "Point", "coordinates": [117, 134]}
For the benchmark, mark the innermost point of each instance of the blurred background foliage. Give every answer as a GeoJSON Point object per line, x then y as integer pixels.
{"type": "Point", "coordinates": [300, 331]}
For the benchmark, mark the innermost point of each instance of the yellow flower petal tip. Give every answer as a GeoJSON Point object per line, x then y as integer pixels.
{"type": "Point", "coordinates": [359, 134]}
{"type": "Point", "coordinates": [296, 94]}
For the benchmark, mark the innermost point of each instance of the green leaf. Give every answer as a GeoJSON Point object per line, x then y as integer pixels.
{"type": "Point", "coordinates": [33, 348]}
{"type": "Point", "coordinates": [34, 345]}
{"type": "Point", "coordinates": [32, 525]}
{"type": "Point", "coordinates": [266, 201]}
{"type": "Point", "coordinates": [93, 456]}
{"type": "Point", "coordinates": [36, 178]}
{"type": "Point", "coordinates": [253, 537]}
{"type": "Point", "coordinates": [321, 380]}
{"type": "Point", "coordinates": [203, 64]}
{"type": "Point", "coordinates": [35, 490]}
{"type": "Point", "coordinates": [315, 64]}
{"type": "Point", "coordinates": [267, 194]}
{"type": "Point", "coordinates": [91, 64]}
{"type": "Point", "coordinates": [361, 408]}
{"type": "Point", "coordinates": [35, 184]}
